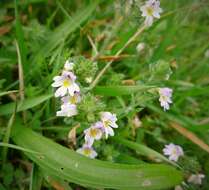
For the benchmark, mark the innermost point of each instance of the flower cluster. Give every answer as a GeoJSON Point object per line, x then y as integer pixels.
{"type": "Point", "coordinates": [151, 10]}
{"type": "Point", "coordinates": [68, 90]}
{"type": "Point", "coordinates": [101, 128]}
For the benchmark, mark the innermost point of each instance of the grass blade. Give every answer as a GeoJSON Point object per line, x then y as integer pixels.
{"type": "Point", "coordinates": [36, 178]}
{"type": "Point", "coordinates": [144, 150]}
{"type": "Point", "coordinates": [23, 105]}
{"type": "Point", "coordinates": [7, 134]}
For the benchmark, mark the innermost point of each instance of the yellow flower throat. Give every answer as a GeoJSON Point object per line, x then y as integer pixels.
{"type": "Point", "coordinates": [66, 83]}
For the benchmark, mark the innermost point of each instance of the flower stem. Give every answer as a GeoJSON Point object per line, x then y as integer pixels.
{"type": "Point", "coordinates": [131, 39]}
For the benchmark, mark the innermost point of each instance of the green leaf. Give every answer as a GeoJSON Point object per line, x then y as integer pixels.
{"type": "Point", "coordinates": [23, 105]}
{"type": "Point", "coordinates": [120, 90]}
{"type": "Point", "coordinates": [73, 167]}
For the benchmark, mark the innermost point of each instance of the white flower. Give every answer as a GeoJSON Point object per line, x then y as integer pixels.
{"type": "Point", "coordinates": [151, 10]}
{"type": "Point", "coordinates": [67, 110]}
{"type": "Point", "coordinates": [109, 121]}
{"type": "Point", "coordinates": [76, 98]}
{"type": "Point", "coordinates": [68, 65]}
{"type": "Point", "coordinates": [173, 151]}
{"type": "Point", "coordinates": [196, 179]}
{"type": "Point", "coordinates": [65, 84]}
{"type": "Point", "coordinates": [140, 47]}
{"type": "Point", "coordinates": [93, 133]}
{"type": "Point", "coordinates": [165, 97]}
{"type": "Point", "coordinates": [87, 150]}
{"type": "Point", "coordinates": [178, 187]}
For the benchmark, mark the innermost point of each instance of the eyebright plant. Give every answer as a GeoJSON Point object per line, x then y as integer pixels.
{"type": "Point", "coordinates": [97, 131]}
{"type": "Point", "coordinates": [69, 91]}
{"type": "Point", "coordinates": [79, 72]}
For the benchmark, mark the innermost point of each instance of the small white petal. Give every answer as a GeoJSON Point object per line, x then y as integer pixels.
{"type": "Point", "coordinates": [67, 110]}
{"type": "Point", "coordinates": [93, 154]}
{"type": "Point", "coordinates": [156, 14]}
{"type": "Point", "coordinates": [110, 131]}
{"type": "Point", "coordinates": [114, 125]}
{"type": "Point", "coordinates": [57, 84]}
{"type": "Point", "coordinates": [57, 78]}
{"type": "Point", "coordinates": [89, 140]}
{"type": "Point", "coordinates": [80, 151]}
{"type": "Point", "coordinates": [73, 88]}
{"type": "Point", "coordinates": [57, 81]}
{"type": "Point", "coordinates": [148, 21]}
{"type": "Point", "coordinates": [60, 91]}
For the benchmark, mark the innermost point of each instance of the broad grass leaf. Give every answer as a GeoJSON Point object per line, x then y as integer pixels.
{"type": "Point", "coordinates": [69, 165]}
